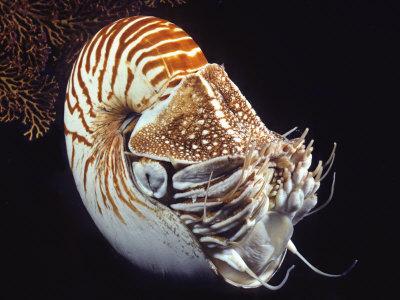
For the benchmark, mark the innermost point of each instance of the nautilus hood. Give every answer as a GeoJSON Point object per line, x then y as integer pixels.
{"type": "Point", "coordinates": [205, 116]}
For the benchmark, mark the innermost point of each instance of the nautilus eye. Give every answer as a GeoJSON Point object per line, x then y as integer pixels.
{"type": "Point", "coordinates": [173, 164]}
{"type": "Point", "coordinates": [151, 177]}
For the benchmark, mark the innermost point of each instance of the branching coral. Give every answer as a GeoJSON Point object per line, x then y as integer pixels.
{"type": "Point", "coordinates": [28, 99]}
{"type": "Point", "coordinates": [153, 3]}
{"type": "Point", "coordinates": [39, 36]}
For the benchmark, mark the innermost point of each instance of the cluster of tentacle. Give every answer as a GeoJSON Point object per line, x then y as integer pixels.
{"type": "Point", "coordinates": [242, 208]}
{"type": "Point", "coordinates": [223, 199]}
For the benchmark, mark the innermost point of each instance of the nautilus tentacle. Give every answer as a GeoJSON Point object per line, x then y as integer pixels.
{"type": "Point", "coordinates": [173, 164]}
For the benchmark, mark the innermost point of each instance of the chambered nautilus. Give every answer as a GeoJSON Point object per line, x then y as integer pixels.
{"type": "Point", "coordinates": [174, 166]}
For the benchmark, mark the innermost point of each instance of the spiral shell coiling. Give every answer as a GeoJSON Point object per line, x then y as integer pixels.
{"type": "Point", "coordinates": [174, 165]}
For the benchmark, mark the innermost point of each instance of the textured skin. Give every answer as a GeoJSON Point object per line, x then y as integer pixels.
{"type": "Point", "coordinates": [207, 117]}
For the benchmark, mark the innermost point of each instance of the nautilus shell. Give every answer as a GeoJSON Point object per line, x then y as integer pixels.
{"type": "Point", "coordinates": [174, 166]}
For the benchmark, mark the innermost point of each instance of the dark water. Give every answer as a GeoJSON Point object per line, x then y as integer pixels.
{"type": "Point", "coordinates": [299, 64]}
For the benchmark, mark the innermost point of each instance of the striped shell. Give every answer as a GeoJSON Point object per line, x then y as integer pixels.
{"type": "Point", "coordinates": [172, 163]}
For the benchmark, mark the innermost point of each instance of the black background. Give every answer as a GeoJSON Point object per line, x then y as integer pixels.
{"type": "Point", "coordinates": [329, 67]}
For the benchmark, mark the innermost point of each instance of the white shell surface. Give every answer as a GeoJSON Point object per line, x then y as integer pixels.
{"type": "Point", "coordinates": [126, 67]}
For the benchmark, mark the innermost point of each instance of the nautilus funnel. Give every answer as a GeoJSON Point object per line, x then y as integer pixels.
{"type": "Point", "coordinates": [174, 166]}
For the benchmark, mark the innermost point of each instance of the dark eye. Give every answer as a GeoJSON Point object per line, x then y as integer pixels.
{"type": "Point", "coordinates": [151, 178]}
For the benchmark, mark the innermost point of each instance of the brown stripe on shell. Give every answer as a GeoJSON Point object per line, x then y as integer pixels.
{"type": "Point", "coordinates": [164, 97]}
{"type": "Point", "coordinates": [159, 78]}
{"type": "Point", "coordinates": [77, 107]}
{"type": "Point", "coordinates": [174, 82]}
{"type": "Point", "coordinates": [90, 160]}
{"type": "Point", "coordinates": [182, 62]}
{"type": "Point", "coordinates": [130, 79]}
{"type": "Point", "coordinates": [76, 136]}
{"type": "Point", "coordinates": [82, 85]}
{"type": "Point", "coordinates": [71, 165]}
{"type": "Point", "coordinates": [169, 47]}
{"type": "Point", "coordinates": [110, 198]}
